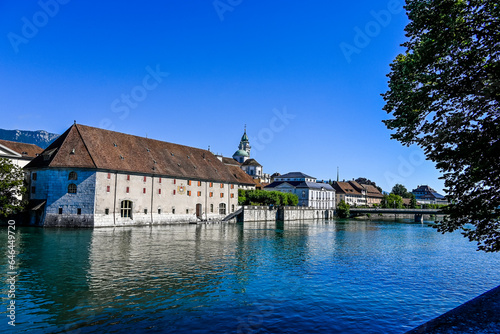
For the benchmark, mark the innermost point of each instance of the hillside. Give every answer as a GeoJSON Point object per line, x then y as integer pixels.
{"type": "Point", "coordinates": [40, 137]}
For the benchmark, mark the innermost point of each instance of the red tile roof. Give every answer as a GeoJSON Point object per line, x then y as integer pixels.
{"type": "Point", "coordinates": [26, 150]}
{"type": "Point", "coordinates": [345, 188]}
{"type": "Point", "coordinates": [88, 147]}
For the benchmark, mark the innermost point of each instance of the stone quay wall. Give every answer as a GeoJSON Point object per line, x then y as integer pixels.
{"type": "Point", "coordinates": [283, 213]}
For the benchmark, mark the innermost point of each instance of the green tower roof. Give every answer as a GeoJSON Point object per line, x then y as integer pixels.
{"type": "Point", "coordinates": [241, 153]}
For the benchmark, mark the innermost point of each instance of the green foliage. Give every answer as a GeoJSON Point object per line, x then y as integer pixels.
{"type": "Point", "coordinates": [392, 201]}
{"type": "Point", "coordinates": [400, 190]}
{"type": "Point", "coordinates": [343, 209]}
{"type": "Point", "coordinates": [11, 187]}
{"type": "Point", "coordinates": [263, 197]}
{"type": "Point", "coordinates": [413, 201]}
{"type": "Point", "coordinates": [444, 95]}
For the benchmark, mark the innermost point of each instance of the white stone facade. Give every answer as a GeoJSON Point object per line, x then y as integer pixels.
{"type": "Point", "coordinates": [153, 199]}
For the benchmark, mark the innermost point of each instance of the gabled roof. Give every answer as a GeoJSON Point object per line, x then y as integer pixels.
{"type": "Point", "coordinates": [28, 151]}
{"type": "Point", "coordinates": [251, 162]}
{"type": "Point", "coordinates": [295, 175]}
{"type": "Point", "coordinates": [345, 188]}
{"type": "Point", "coordinates": [372, 191]}
{"type": "Point", "coordinates": [88, 147]}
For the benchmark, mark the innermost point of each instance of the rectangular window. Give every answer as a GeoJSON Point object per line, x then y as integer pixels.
{"type": "Point", "coordinates": [60, 211]}
{"type": "Point", "coordinates": [189, 182]}
{"type": "Point", "coordinates": [174, 191]}
{"type": "Point", "coordinates": [143, 190]}
{"type": "Point", "coordinates": [33, 190]}
{"type": "Point", "coordinates": [174, 181]}
{"type": "Point", "coordinates": [34, 176]}
{"type": "Point", "coordinates": [128, 189]}
{"type": "Point", "coordinates": [159, 180]}
{"type": "Point", "coordinates": [222, 185]}
{"type": "Point", "coordinates": [79, 211]}
{"type": "Point", "coordinates": [221, 195]}
{"type": "Point", "coordinates": [211, 208]}
{"type": "Point", "coordinates": [159, 191]}
{"type": "Point", "coordinates": [128, 177]}
{"type": "Point", "coordinates": [159, 211]}
{"type": "Point", "coordinates": [106, 211]}
{"type": "Point", "coordinates": [211, 194]}
{"type": "Point", "coordinates": [108, 188]}
{"type": "Point", "coordinates": [173, 210]}
{"type": "Point", "coordinates": [199, 183]}
{"type": "Point", "coordinates": [232, 195]}
{"type": "Point", "coordinates": [189, 192]}
{"type": "Point", "coordinates": [211, 184]}
{"type": "Point", "coordinates": [199, 193]}
{"type": "Point", "coordinates": [109, 176]}
{"type": "Point", "coordinates": [232, 186]}
{"type": "Point", "coordinates": [145, 211]}
{"type": "Point", "coordinates": [145, 179]}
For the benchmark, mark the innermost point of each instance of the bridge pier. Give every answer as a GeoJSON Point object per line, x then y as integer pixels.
{"type": "Point", "coordinates": [419, 218]}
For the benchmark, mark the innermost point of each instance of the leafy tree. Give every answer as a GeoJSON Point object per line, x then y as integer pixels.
{"type": "Point", "coordinates": [413, 201]}
{"type": "Point", "coordinates": [400, 190]}
{"type": "Point", "coordinates": [343, 209]}
{"type": "Point", "coordinates": [263, 197]}
{"type": "Point", "coordinates": [444, 95]}
{"type": "Point", "coordinates": [11, 188]}
{"type": "Point", "coordinates": [392, 201]}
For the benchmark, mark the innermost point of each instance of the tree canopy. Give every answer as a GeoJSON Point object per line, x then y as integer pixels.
{"type": "Point", "coordinates": [263, 197]}
{"type": "Point", "coordinates": [444, 95]}
{"type": "Point", "coordinates": [11, 188]}
{"type": "Point", "coordinates": [400, 190]}
{"type": "Point", "coordinates": [392, 201]}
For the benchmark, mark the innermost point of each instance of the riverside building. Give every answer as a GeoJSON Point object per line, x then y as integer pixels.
{"type": "Point", "coordinates": [93, 177]}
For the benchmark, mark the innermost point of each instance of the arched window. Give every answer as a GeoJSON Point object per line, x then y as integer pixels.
{"type": "Point", "coordinates": [222, 209]}
{"type": "Point", "coordinates": [126, 209]}
{"type": "Point", "coordinates": [72, 188]}
{"type": "Point", "coordinates": [72, 176]}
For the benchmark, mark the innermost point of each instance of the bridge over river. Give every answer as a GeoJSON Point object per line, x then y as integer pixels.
{"type": "Point", "coordinates": [419, 213]}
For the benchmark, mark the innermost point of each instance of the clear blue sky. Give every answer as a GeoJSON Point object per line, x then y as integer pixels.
{"type": "Point", "coordinates": [305, 78]}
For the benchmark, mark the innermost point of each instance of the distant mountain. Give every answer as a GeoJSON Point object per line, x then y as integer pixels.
{"type": "Point", "coordinates": [41, 138]}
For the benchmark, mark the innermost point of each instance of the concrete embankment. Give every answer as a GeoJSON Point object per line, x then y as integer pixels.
{"type": "Point", "coordinates": [480, 315]}
{"type": "Point", "coordinates": [283, 213]}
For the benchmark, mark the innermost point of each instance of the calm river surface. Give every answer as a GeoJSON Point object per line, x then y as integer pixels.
{"type": "Point", "coordinates": [309, 277]}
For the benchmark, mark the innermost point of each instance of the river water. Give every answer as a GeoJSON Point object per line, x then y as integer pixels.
{"type": "Point", "coordinates": [308, 277]}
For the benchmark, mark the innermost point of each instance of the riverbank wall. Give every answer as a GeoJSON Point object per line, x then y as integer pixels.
{"type": "Point", "coordinates": [282, 213]}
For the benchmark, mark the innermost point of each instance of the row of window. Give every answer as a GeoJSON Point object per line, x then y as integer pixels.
{"type": "Point", "coordinates": [189, 193]}
{"type": "Point", "coordinates": [174, 181]}
{"type": "Point", "coordinates": [126, 209]}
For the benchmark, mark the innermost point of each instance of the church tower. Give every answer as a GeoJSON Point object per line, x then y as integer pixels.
{"type": "Point", "coordinates": [243, 152]}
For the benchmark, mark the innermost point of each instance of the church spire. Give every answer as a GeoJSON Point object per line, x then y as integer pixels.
{"type": "Point", "coordinates": [244, 148]}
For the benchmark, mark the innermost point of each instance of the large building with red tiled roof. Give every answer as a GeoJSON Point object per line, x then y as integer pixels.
{"type": "Point", "coordinates": [94, 177]}
{"type": "Point", "coordinates": [19, 153]}
{"type": "Point", "coordinates": [356, 194]}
